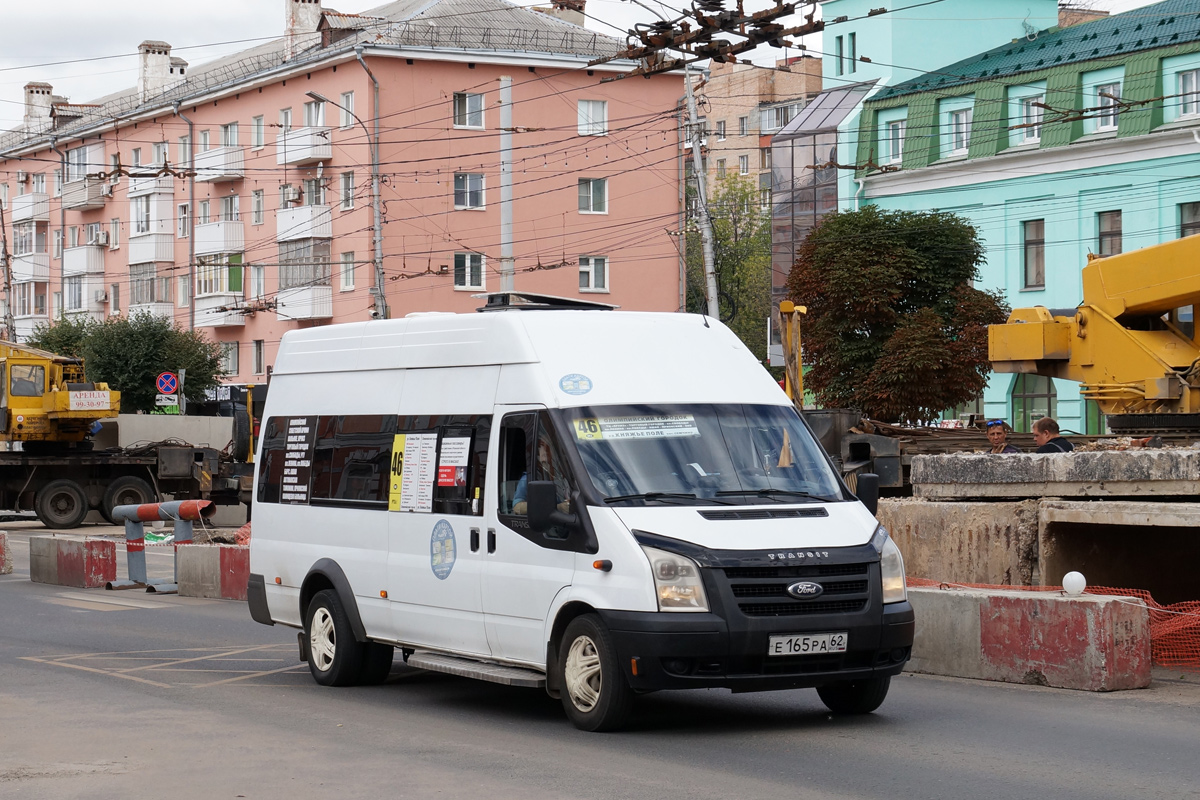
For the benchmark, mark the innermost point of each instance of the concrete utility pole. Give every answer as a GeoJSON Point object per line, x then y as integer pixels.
{"type": "Point", "coordinates": [702, 219]}
{"type": "Point", "coordinates": [10, 325]}
{"type": "Point", "coordinates": [507, 263]}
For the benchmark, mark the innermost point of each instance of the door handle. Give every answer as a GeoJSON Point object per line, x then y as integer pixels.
{"type": "Point", "coordinates": [474, 540]}
{"type": "Point", "coordinates": [491, 540]}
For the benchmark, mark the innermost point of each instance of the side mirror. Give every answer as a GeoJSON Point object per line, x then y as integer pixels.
{"type": "Point", "coordinates": [868, 491]}
{"type": "Point", "coordinates": [541, 498]}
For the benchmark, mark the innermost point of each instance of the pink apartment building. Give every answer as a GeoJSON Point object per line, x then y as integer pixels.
{"type": "Point", "coordinates": [237, 196]}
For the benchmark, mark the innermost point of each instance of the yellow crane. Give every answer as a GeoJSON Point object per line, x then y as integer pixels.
{"type": "Point", "coordinates": [1132, 343]}
{"type": "Point", "coordinates": [46, 400]}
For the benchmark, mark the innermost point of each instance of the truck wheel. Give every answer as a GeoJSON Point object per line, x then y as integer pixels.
{"type": "Point", "coordinates": [855, 697]}
{"type": "Point", "coordinates": [61, 504]}
{"type": "Point", "coordinates": [334, 657]}
{"type": "Point", "coordinates": [376, 663]}
{"type": "Point", "coordinates": [594, 692]}
{"type": "Point", "coordinates": [125, 491]}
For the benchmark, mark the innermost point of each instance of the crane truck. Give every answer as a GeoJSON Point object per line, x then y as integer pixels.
{"type": "Point", "coordinates": [50, 408]}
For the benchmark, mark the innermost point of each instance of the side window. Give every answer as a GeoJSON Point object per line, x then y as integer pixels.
{"type": "Point", "coordinates": [462, 459]}
{"type": "Point", "coordinates": [530, 451]}
{"type": "Point", "coordinates": [28, 380]}
{"type": "Point", "coordinates": [352, 460]}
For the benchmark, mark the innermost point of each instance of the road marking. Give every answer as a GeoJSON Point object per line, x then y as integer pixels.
{"type": "Point", "coordinates": [112, 600]}
{"type": "Point", "coordinates": [197, 658]}
{"type": "Point", "coordinates": [84, 605]}
{"type": "Point", "coordinates": [69, 665]}
{"type": "Point", "coordinates": [292, 668]}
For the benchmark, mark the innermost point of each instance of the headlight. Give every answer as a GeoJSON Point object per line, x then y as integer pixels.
{"type": "Point", "coordinates": [891, 568]}
{"type": "Point", "coordinates": [676, 581]}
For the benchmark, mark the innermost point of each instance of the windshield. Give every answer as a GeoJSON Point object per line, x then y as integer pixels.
{"type": "Point", "coordinates": [688, 454]}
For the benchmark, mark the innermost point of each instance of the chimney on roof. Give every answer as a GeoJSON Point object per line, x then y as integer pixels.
{"type": "Point", "coordinates": [154, 69]}
{"type": "Point", "coordinates": [37, 106]}
{"type": "Point", "coordinates": [567, 10]}
{"type": "Point", "coordinates": [300, 29]}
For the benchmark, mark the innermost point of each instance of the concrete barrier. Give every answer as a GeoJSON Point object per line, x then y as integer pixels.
{"type": "Point", "coordinates": [5, 555]}
{"type": "Point", "coordinates": [72, 561]}
{"type": "Point", "coordinates": [214, 570]}
{"type": "Point", "coordinates": [1094, 643]}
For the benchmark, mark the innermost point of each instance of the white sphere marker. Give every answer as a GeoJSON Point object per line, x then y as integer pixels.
{"type": "Point", "coordinates": [1074, 583]}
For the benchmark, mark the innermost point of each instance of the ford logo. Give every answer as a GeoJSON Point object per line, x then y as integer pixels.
{"type": "Point", "coordinates": [805, 589]}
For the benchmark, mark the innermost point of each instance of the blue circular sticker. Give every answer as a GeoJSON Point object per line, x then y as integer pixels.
{"type": "Point", "coordinates": [441, 549]}
{"type": "Point", "coordinates": [575, 383]}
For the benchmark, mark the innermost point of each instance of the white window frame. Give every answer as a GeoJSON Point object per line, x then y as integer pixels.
{"type": "Point", "coordinates": [468, 192]}
{"type": "Point", "coordinates": [229, 135]}
{"type": "Point", "coordinates": [347, 184]}
{"type": "Point", "coordinates": [589, 268]}
{"type": "Point", "coordinates": [285, 120]}
{"type": "Point", "coordinates": [895, 138]}
{"type": "Point", "coordinates": [960, 131]}
{"type": "Point", "coordinates": [39, 183]}
{"type": "Point", "coordinates": [73, 293]}
{"type": "Point", "coordinates": [1032, 115]}
{"type": "Point", "coordinates": [58, 244]}
{"type": "Point", "coordinates": [183, 221]}
{"type": "Point", "coordinates": [469, 263]}
{"type": "Point", "coordinates": [204, 213]}
{"type": "Point", "coordinates": [114, 234]}
{"type": "Point", "coordinates": [260, 356]}
{"type": "Point", "coordinates": [587, 197]}
{"type": "Point", "coordinates": [229, 357]}
{"type": "Point", "coordinates": [1110, 110]}
{"type": "Point", "coordinates": [720, 168]}
{"type": "Point", "coordinates": [258, 207]}
{"type": "Point", "coordinates": [743, 126]}
{"type": "Point", "coordinates": [314, 114]}
{"type": "Point", "coordinates": [258, 281]}
{"type": "Point", "coordinates": [593, 118]}
{"type": "Point", "coordinates": [467, 110]}
{"type": "Point", "coordinates": [185, 151]}
{"type": "Point", "coordinates": [183, 286]}
{"type": "Point", "coordinates": [743, 165]}
{"type": "Point", "coordinates": [1189, 93]}
{"type": "Point", "coordinates": [258, 133]}
{"type": "Point", "coordinates": [348, 268]}
{"type": "Point", "coordinates": [58, 182]}
{"type": "Point", "coordinates": [139, 211]}
{"type": "Point", "coordinates": [162, 154]}
{"type": "Point", "coordinates": [231, 208]}
{"type": "Point", "coordinates": [720, 130]}
{"type": "Point", "coordinates": [347, 110]}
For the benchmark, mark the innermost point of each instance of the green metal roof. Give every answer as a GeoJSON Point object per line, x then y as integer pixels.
{"type": "Point", "coordinates": [1163, 24]}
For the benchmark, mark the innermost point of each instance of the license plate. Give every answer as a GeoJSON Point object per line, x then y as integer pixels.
{"type": "Point", "coordinates": [813, 644]}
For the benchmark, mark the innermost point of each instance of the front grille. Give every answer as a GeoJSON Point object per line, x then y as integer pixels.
{"type": "Point", "coordinates": [780, 589]}
{"type": "Point", "coordinates": [801, 608]}
{"type": "Point", "coordinates": [762, 591]}
{"type": "Point", "coordinates": [765, 513]}
{"type": "Point", "coordinates": [806, 571]}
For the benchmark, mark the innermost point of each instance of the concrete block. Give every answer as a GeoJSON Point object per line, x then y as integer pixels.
{"type": "Point", "coordinates": [214, 570]}
{"type": "Point", "coordinates": [5, 555]}
{"type": "Point", "coordinates": [72, 561]}
{"type": "Point", "coordinates": [964, 542]}
{"type": "Point", "coordinates": [1091, 643]}
{"type": "Point", "coordinates": [1115, 473]}
{"type": "Point", "coordinates": [129, 429]}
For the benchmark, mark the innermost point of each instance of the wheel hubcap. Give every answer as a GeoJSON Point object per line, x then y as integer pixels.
{"type": "Point", "coordinates": [582, 673]}
{"type": "Point", "coordinates": [322, 643]}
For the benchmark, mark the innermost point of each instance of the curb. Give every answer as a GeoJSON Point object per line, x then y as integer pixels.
{"type": "Point", "coordinates": [214, 570]}
{"type": "Point", "coordinates": [79, 562]}
{"type": "Point", "coordinates": [6, 560]}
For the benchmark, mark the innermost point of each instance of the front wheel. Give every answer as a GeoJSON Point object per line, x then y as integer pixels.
{"type": "Point", "coordinates": [855, 697]}
{"type": "Point", "coordinates": [61, 504]}
{"type": "Point", "coordinates": [594, 692]}
{"type": "Point", "coordinates": [334, 656]}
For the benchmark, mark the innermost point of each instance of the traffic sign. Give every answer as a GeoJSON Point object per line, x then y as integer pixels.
{"type": "Point", "coordinates": [166, 400]}
{"type": "Point", "coordinates": [167, 383]}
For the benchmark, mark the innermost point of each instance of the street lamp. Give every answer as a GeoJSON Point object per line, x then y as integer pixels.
{"type": "Point", "coordinates": [381, 309]}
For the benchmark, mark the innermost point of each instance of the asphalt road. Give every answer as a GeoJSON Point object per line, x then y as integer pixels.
{"type": "Point", "coordinates": [121, 694]}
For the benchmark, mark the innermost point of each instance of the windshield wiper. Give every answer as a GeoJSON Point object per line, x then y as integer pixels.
{"type": "Point", "coordinates": [660, 496]}
{"type": "Point", "coordinates": [777, 493]}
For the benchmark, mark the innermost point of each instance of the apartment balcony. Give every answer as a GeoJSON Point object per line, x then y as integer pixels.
{"type": "Point", "coordinates": [221, 164]}
{"type": "Point", "coordinates": [220, 237]}
{"type": "Point", "coordinates": [212, 310]}
{"type": "Point", "coordinates": [84, 313]}
{"type": "Point", "coordinates": [146, 247]}
{"type": "Point", "coordinates": [31, 267]}
{"type": "Point", "coordinates": [86, 259]}
{"type": "Point", "coordinates": [33, 207]}
{"type": "Point", "coordinates": [305, 302]}
{"type": "Point", "coordinates": [25, 325]}
{"type": "Point", "coordinates": [160, 310]}
{"type": "Point", "coordinates": [303, 146]}
{"type": "Point", "coordinates": [84, 193]}
{"type": "Point", "coordinates": [304, 222]}
{"type": "Point", "coordinates": [151, 184]}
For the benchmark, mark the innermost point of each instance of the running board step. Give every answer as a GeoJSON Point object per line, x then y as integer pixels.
{"type": "Point", "coordinates": [466, 668]}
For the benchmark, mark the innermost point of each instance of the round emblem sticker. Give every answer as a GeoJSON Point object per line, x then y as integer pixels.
{"type": "Point", "coordinates": [575, 383]}
{"type": "Point", "coordinates": [441, 549]}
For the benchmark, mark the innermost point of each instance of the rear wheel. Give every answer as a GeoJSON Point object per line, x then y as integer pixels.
{"type": "Point", "coordinates": [125, 491]}
{"type": "Point", "coordinates": [334, 657]}
{"type": "Point", "coordinates": [61, 504]}
{"type": "Point", "coordinates": [594, 692]}
{"type": "Point", "coordinates": [855, 697]}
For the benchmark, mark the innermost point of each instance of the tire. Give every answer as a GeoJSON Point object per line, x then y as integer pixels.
{"type": "Point", "coordinates": [125, 491]}
{"type": "Point", "coordinates": [241, 433]}
{"type": "Point", "coordinates": [376, 663]}
{"type": "Point", "coordinates": [595, 694]}
{"type": "Point", "coordinates": [61, 504]}
{"type": "Point", "coordinates": [855, 697]}
{"type": "Point", "coordinates": [334, 657]}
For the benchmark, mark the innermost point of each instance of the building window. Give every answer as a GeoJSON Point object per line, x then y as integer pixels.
{"type": "Point", "coordinates": [160, 154]}
{"type": "Point", "coordinates": [593, 273]}
{"type": "Point", "coordinates": [230, 209]}
{"type": "Point", "coordinates": [314, 192]}
{"type": "Point", "coordinates": [347, 271]}
{"type": "Point", "coordinates": [72, 236]}
{"type": "Point", "coordinates": [468, 271]}
{"type": "Point", "coordinates": [258, 206]}
{"type": "Point", "coordinates": [347, 109]}
{"type": "Point", "coordinates": [960, 131]}
{"type": "Point", "coordinates": [77, 165]}
{"type": "Point", "coordinates": [229, 358]}
{"type": "Point", "coordinates": [204, 216]}
{"type": "Point", "coordinates": [764, 158]}
{"type": "Point", "coordinates": [304, 263]}
{"type": "Point", "coordinates": [743, 165]}
{"type": "Point", "coordinates": [135, 155]}
{"type": "Point", "coordinates": [468, 190]}
{"type": "Point", "coordinates": [73, 293]}
{"type": "Point", "coordinates": [593, 195]}
{"type": "Point", "coordinates": [1033, 397]}
{"type": "Point", "coordinates": [183, 223]}
{"type": "Point", "coordinates": [720, 168]}
{"type": "Point", "coordinates": [260, 356]}
{"type": "Point", "coordinates": [1033, 238]}
{"type": "Point", "coordinates": [743, 126]}
{"type": "Point", "coordinates": [720, 130]}
{"type": "Point", "coordinates": [185, 151]}
{"type": "Point", "coordinates": [58, 244]}
{"type": "Point", "coordinates": [1189, 219]}
{"type": "Point", "coordinates": [114, 234]}
{"type": "Point", "coordinates": [114, 298]}
{"type": "Point", "coordinates": [143, 283]}
{"type": "Point", "coordinates": [140, 207]}
{"type": "Point", "coordinates": [258, 132]}
{"type": "Point", "coordinates": [285, 120]}
{"type": "Point", "coordinates": [1189, 93]}
{"type": "Point", "coordinates": [838, 56]}
{"type": "Point", "coordinates": [593, 118]}
{"type": "Point", "coordinates": [23, 233]}
{"type": "Point", "coordinates": [347, 190]}
{"type": "Point", "coordinates": [39, 183]}
{"type": "Point", "coordinates": [58, 183]}
{"type": "Point", "coordinates": [314, 114]}
{"type": "Point", "coordinates": [1031, 118]}
{"type": "Point", "coordinates": [229, 135]}
{"type": "Point", "coordinates": [285, 196]}
{"type": "Point", "coordinates": [219, 274]}
{"type": "Point", "coordinates": [182, 288]}
{"type": "Point", "coordinates": [851, 53]}
{"type": "Point", "coordinates": [895, 141]}
{"type": "Point", "coordinates": [1109, 223]}
{"type": "Point", "coordinates": [258, 281]}
{"type": "Point", "coordinates": [1108, 101]}
{"type": "Point", "coordinates": [468, 110]}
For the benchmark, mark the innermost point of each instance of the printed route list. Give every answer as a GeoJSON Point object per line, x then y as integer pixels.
{"type": "Point", "coordinates": [297, 464]}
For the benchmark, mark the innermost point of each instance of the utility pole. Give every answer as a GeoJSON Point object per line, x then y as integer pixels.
{"type": "Point", "coordinates": [10, 326]}
{"type": "Point", "coordinates": [507, 263]}
{"type": "Point", "coordinates": [702, 218]}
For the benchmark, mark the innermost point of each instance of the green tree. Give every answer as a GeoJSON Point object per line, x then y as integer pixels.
{"type": "Point", "coordinates": [742, 258]}
{"type": "Point", "coordinates": [128, 353]}
{"type": "Point", "coordinates": [895, 326]}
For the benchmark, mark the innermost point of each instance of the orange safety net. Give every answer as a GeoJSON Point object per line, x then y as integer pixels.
{"type": "Point", "coordinates": [1174, 628]}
